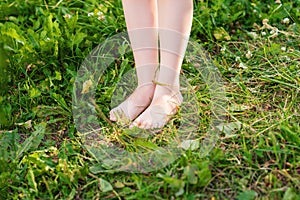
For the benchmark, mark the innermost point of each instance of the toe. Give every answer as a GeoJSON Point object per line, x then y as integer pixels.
{"type": "Point", "coordinates": [148, 125]}
{"type": "Point", "coordinates": [135, 123]}
{"type": "Point", "coordinates": [157, 125]}
{"type": "Point", "coordinates": [144, 125]}
{"type": "Point", "coordinates": [112, 116]}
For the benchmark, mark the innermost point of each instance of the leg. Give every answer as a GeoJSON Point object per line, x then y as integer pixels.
{"type": "Point", "coordinates": [175, 21]}
{"type": "Point", "coordinates": [141, 21]}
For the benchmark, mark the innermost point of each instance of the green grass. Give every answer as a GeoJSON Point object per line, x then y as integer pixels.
{"type": "Point", "coordinates": [42, 155]}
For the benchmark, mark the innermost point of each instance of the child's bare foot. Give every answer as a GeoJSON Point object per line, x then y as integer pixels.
{"type": "Point", "coordinates": [164, 104]}
{"type": "Point", "coordinates": [134, 105]}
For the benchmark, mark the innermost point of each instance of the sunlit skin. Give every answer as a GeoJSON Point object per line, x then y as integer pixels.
{"type": "Point", "coordinates": [150, 23]}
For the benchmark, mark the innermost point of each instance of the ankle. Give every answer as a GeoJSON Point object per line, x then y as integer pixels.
{"type": "Point", "coordinates": [169, 88]}
{"type": "Point", "coordinates": [147, 84]}
{"type": "Point", "coordinates": [168, 92]}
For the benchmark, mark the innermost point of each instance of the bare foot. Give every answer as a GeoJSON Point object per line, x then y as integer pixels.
{"type": "Point", "coordinates": [164, 104]}
{"type": "Point", "coordinates": [134, 105]}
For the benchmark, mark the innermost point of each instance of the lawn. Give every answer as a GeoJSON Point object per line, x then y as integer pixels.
{"type": "Point", "coordinates": [251, 46]}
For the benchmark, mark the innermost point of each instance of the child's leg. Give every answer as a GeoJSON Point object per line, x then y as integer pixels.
{"type": "Point", "coordinates": [141, 21]}
{"type": "Point", "coordinates": [175, 20]}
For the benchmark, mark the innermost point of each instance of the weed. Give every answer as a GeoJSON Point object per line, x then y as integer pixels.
{"type": "Point", "coordinates": [255, 46]}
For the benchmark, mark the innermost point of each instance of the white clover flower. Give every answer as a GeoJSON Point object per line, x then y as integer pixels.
{"type": "Point", "coordinates": [67, 16]}
{"type": "Point", "coordinates": [253, 35]}
{"type": "Point", "coordinates": [223, 49]}
{"type": "Point", "coordinates": [90, 14]}
{"type": "Point", "coordinates": [100, 15]}
{"type": "Point", "coordinates": [263, 33]}
{"type": "Point", "coordinates": [283, 48]}
{"type": "Point", "coordinates": [241, 65]}
{"type": "Point", "coordinates": [286, 21]}
{"type": "Point", "coordinates": [248, 54]}
{"type": "Point", "coordinates": [100, 18]}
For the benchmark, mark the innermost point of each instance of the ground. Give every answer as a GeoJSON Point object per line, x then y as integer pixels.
{"type": "Point", "coordinates": [254, 46]}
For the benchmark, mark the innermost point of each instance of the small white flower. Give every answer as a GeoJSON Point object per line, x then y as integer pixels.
{"type": "Point", "coordinates": [241, 65]}
{"type": "Point", "coordinates": [223, 49]}
{"type": "Point", "coordinates": [90, 14]}
{"type": "Point", "coordinates": [283, 48]}
{"type": "Point", "coordinates": [278, 2]}
{"type": "Point", "coordinates": [48, 39]}
{"type": "Point", "coordinates": [272, 32]}
{"type": "Point", "coordinates": [263, 33]}
{"type": "Point", "coordinates": [100, 15]}
{"type": "Point", "coordinates": [237, 58]}
{"type": "Point", "coordinates": [248, 54]}
{"type": "Point", "coordinates": [287, 58]}
{"type": "Point", "coordinates": [286, 21]}
{"type": "Point", "coordinates": [100, 18]}
{"type": "Point", "coordinates": [67, 16]}
{"type": "Point", "coordinates": [253, 35]}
